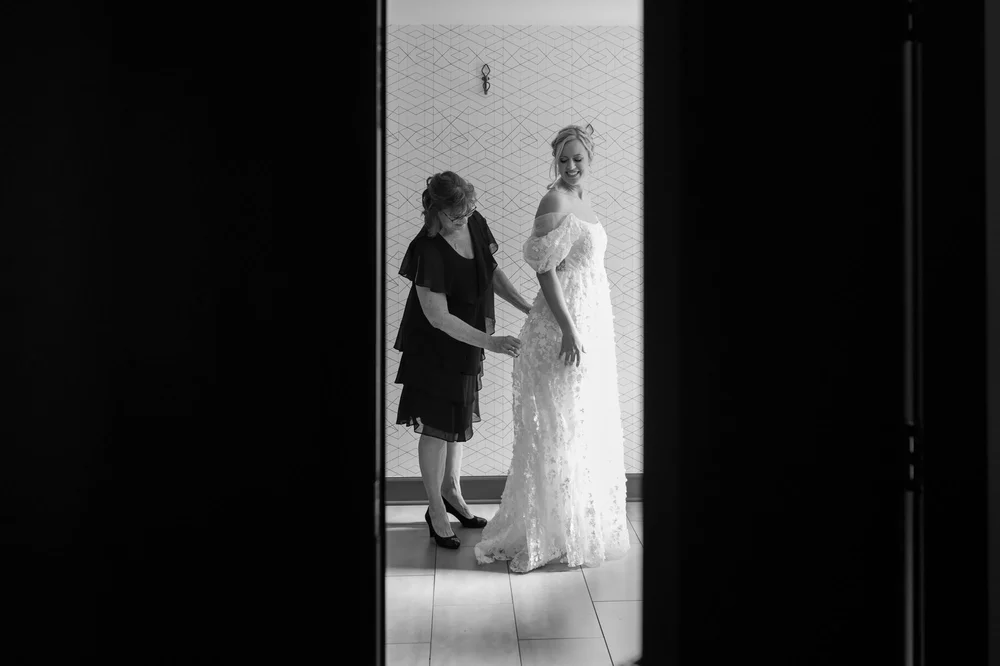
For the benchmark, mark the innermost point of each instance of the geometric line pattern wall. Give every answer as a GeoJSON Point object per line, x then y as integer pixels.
{"type": "Point", "coordinates": [542, 78]}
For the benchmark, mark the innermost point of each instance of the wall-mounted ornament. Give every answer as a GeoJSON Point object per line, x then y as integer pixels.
{"type": "Point", "coordinates": [486, 78]}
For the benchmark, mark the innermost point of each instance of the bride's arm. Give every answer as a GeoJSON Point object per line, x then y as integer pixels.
{"type": "Point", "coordinates": [552, 291]}
{"type": "Point", "coordinates": [551, 288]}
{"type": "Point", "coordinates": [571, 346]}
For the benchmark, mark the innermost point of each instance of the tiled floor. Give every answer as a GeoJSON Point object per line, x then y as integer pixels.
{"type": "Point", "coordinates": [444, 609]}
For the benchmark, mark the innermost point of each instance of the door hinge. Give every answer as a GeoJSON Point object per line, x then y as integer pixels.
{"type": "Point", "coordinates": [912, 17]}
{"type": "Point", "coordinates": [913, 439]}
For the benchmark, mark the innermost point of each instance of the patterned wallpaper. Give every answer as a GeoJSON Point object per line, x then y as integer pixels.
{"type": "Point", "coordinates": [541, 79]}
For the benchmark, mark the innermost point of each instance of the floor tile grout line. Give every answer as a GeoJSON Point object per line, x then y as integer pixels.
{"type": "Point", "coordinates": [563, 638]}
{"type": "Point", "coordinates": [466, 605]}
{"type": "Point", "coordinates": [513, 610]}
{"type": "Point", "coordinates": [430, 650]}
{"type": "Point", "coordinates": [636, 531]}
{"type": "Point", "coordinates": [598, 616]}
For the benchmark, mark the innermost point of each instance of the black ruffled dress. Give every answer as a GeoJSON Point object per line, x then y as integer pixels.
{"type": "Point", "coordinates": [442, 376]}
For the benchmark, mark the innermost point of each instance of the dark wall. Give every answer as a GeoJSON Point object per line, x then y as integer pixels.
{"type": "Point", "coordinates": [992, 79]}
{"type": "Point", "coordinates": [955, 332]}
{"type": "Point", "coordinates": [780, 281]}
{"type": "Point", "coordinates": [776, 469]}
{"type": "Point", "coordinates": [186, 223]}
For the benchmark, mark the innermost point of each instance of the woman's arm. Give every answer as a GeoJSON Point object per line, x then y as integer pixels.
{"type": "Point", "coordinates": [504, 289]}
{"type": "Point", "coordinates": [435, 307]}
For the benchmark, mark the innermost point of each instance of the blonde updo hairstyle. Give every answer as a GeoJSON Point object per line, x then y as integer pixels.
{"type": "Point", "coordinates": [446, 191]}
{"type": "Point", "coordinates": [583, 134]}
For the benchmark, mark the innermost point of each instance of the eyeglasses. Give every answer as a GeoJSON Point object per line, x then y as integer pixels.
{"type": "Point", "coordinates": [459, 217]}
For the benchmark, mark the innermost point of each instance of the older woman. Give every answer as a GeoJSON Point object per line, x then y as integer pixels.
{"type": "Point", "coordinates": [447, 323]}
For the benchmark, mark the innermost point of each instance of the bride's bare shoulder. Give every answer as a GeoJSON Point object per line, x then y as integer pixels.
{"type": "Point", "coordinates": [551, 212]}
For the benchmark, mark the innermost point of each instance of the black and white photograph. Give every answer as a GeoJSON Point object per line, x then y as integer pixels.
{"type": "Point", "coordinates": [472, 333]}
{"type": "Point", "coordinates": [513, 321]}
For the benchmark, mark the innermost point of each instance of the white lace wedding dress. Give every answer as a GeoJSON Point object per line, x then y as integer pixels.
{"type": "Point", "coordinates": [565, 493]}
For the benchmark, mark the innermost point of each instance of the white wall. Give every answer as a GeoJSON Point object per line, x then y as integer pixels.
{"type": "Point", "coordinates": [514, 12]}
{"type": "Point", "coordinates": [437, 118]}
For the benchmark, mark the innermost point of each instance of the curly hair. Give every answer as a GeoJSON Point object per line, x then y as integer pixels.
{"type": "Point", "coordinates": [445, 191]}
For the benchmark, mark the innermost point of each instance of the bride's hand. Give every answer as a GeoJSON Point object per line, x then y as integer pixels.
{"type": "Point", "coordinates": [571, 347]}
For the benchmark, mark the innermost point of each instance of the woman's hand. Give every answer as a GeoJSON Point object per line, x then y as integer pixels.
{"type": "Point", "coordinates": [505, 344]}
{"type": "Point", "coordinates": [571, 347]}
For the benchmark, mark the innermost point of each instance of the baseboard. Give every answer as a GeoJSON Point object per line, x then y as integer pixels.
{"type": "Point", "coordinates": [478, 489]}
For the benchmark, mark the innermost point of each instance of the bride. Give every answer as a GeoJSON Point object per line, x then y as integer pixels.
{"type": "Point", "coordinates": [565, 493]}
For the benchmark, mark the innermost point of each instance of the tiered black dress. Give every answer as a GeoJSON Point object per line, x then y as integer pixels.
{"type": "Point", "coordinates": [442, 376]}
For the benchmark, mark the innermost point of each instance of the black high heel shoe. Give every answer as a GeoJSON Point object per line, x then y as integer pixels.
{"type": "Point", "coordinates": [475, 521]}
{"type": "Point", "coordinates": [445, 542]}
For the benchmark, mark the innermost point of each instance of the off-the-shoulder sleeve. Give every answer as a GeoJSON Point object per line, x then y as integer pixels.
{"type": "Point", "coordinates": [424, 266]}
{"type": "Point", "coordinates": [552, 237]}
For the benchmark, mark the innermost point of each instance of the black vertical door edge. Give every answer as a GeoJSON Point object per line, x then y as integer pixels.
{"type": "Point", "coordinates": [774, 164]}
